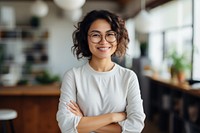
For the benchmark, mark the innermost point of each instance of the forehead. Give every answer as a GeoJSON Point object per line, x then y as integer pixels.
{"type": "Point", "coordinates": [100, 25]}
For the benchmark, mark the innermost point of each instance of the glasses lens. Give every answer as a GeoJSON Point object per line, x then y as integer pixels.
{"type": "Point", "coordinates": [111, 37]}
{"type": "Point", "coordinates": [95, 37]}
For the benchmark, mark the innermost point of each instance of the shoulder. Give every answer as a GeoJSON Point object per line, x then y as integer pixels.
{"type": "Point", "coordinates": [74, 71]}
{"type": "Point", "coordinates": [125, 71]}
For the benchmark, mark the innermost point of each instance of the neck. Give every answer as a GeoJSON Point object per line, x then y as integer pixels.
{"type": "Point", "coordinates": [102, 65]}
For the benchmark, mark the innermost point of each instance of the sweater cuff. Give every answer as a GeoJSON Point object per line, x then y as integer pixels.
{"type": "Point", "coordinates": [76, 121]}
{"type": "Point", "coordinates": [121, 123]}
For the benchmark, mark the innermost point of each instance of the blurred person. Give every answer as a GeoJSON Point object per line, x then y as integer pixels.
{"type": "Point", "coordinates": [100, 96]}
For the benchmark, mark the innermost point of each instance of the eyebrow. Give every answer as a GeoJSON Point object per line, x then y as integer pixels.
{"type": "Point", "coordinates": [95, 31]}
{"type": "Point", "coordinates": [100, 32]}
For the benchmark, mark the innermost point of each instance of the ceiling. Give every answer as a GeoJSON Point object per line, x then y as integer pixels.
{"type": "Point", "coordinates": [150, 3]}
{"type": "Point", "coordinates": [133, 5]}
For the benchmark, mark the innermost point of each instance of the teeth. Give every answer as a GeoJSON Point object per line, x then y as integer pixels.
{"type": "Point", "coordinates": [103, 49]}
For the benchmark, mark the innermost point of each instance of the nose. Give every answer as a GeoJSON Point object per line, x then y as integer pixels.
{"type": "Point", "coordinates": [103, 40]}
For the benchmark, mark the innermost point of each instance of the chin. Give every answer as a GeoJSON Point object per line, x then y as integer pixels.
{"type": "Point", "coordinates": [105, 57]}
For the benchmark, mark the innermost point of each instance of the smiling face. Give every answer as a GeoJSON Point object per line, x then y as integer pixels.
{"type": "Point", "coordinates": [99, 34]}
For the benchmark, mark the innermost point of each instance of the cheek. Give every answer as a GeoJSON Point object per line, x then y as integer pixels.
{"type": "Point", "coordinates": [115, 47]}
{"type": "Point", "coordinates": [91, 46]}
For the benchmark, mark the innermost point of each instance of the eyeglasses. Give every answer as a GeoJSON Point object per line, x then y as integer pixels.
{"type": "Point", "coordinates": [96, 37]}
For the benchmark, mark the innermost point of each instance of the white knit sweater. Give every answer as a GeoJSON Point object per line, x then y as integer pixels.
{"type": "Point", "coordinates": [99, 93]}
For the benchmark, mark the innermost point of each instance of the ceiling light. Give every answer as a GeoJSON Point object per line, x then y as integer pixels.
{"type": "Point", "coordinates": [39, 8]}
{"type": "Point", "coordinates": [74, 15]}
{"type": "Point", "coordinates": [70, 4]}
{"type": "Point", "coordinates": [143, 21]}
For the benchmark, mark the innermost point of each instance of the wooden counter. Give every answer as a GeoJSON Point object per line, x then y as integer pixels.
{"type": "Point", "coordinates": [36, 107]}
{"type": "Point", "coordinates": [174, 85]}
{"type": "Point", "coordinates": [30, 90]}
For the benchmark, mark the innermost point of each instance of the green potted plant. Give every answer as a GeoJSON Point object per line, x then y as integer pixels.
{"type": "Point", "coordinates": [46, 78]}
{"type": "Point", "coordinates": [179, 66]}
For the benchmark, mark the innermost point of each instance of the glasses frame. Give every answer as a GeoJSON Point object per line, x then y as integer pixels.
{"type": "Point", "coordinates": [116, 37]}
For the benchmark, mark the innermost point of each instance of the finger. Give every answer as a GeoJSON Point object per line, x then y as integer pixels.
{"type": "Point", "coordinates": [73, 111]}
{"type": "Point", "coordinates": [72, 106]}
{"type": "Point", "coordinates": [74, 103]}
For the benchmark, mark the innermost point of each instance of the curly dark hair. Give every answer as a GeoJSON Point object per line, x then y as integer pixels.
{"type": "Point", "coordinates": [81, 48]}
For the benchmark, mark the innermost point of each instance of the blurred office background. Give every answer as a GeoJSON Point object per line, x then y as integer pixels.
{"type": "Point", "coordinates": [35, 51]}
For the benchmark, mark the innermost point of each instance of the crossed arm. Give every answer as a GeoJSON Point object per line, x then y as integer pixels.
{"type": "Point", "coordinates": [100, 124]}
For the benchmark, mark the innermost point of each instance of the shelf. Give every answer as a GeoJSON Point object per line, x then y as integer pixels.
{"type": "Point", "coordinates": [23, 34]}
{"type": "Point", "coordinates": [178, 124]}
{"type": "Point", "coordinates": [178, 108]}
{"type": "Point", "coordinates": [25, 46]}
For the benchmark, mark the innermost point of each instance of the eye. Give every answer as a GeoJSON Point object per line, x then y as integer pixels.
{"type": "Point", "coordinates": [95, 35]}
{"type": "Point", "coordinates": [111, 34]}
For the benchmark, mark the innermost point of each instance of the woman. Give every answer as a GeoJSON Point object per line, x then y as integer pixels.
{"type": "Point", "coordinates": [100, 96]}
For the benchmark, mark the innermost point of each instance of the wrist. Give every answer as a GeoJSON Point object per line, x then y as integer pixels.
{"type": "Point", "coordinates": [117, 117]}
{"type": "Point", "coordinates": [114, 117]}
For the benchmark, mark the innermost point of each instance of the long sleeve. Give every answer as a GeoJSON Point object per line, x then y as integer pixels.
{"type": "Point", "coordinates": [67, 121]}
{"type": "Point", "coordinates": [134, 109]}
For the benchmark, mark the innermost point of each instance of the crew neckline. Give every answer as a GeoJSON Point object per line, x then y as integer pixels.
{"type": "Point", "coordinates": [101, 73]}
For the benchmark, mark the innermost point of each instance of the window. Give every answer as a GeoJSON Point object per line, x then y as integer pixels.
{"type": "Point", "coordinates": [172, 32]}
{"type": "Point", "coordinates": [196, 64]}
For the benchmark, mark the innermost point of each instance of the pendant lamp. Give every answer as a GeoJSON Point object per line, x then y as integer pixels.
{"type": "Point", "coordinates": [39, 8]}
{"type": "Point", "coordinates": [143, 21]}
{"type": "Point", "coordinates": [70, 4]}
{"type": "Point", "coordinates": [73, 15]}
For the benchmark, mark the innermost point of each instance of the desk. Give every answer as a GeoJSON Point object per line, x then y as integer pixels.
{"type": "Point", "coordinates": [36, 106]}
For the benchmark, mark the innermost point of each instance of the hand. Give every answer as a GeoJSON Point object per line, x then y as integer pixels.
{"type": "Point", "coordinates": [119, 116]}
{"type": "Point", "coordinates": [111, 128]}
{"type": "Point", "coordinates": [74, 108]}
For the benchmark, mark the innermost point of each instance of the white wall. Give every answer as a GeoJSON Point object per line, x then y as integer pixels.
{"type": "Point", "coordinates": [196, 72]}
{"type": "Point", "coordinates": [60, 31]}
